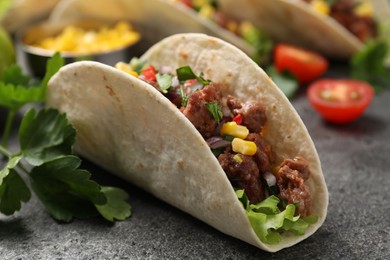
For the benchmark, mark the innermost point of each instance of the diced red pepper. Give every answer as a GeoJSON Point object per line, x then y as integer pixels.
{"type": "Point", "coordinates": [187, 3]}
{"type": "Point", "coordinates": [189, 82]}
{"type": "Point", "coordinates": [238, 119]}
{"type": "Point", "coordinates": [149, 73]}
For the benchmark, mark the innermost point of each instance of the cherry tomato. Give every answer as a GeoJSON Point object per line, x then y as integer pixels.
{"type": "Point", "coordinates": [340, 100]}
{"type": "Point", "coordinates": [304, 65]}
{"type": "Point", "coordinates": [149, 73]}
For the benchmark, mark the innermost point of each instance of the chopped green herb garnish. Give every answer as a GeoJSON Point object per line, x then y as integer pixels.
{"type": "Point", "coordinates": [137, 65]}
{"type": "Point", "coordinates": [228, 137]}
{"type": "Point", "coordinates": [185, 73]}
{"type": "Point", "coordinates": [216, 110]}
{"type": "Point", "coordinates": [184, 98]}
{"type": "Point", "coordinates": [217, 151]}
{"type": "Point", "coordinates": [164, 81]}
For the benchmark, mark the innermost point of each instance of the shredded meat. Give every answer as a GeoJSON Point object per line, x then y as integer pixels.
{"type": "Point", "coordinates": [196, 110]}
{"type": "Point", "coordinates": [243, 175]}
{"type": "Point", "coordinates": [291, 182]}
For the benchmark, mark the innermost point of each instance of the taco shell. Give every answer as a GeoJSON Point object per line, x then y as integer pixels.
{"type": "Point", "coordinates": [130, 129]}
{"type": "Point", "coordinates": [295, 22]}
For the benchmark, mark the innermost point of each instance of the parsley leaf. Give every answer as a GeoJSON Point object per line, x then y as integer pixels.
{"type": "Point", "coordinates": [185, 73]}
{"type": "Point", "coordinates": [116, 206]}
{"type": "Point", "coordinates": [15, 91]}
{"type": "Point", "coordinates": [45, 136]}
{"type": "Point", "coordinates": [13, 191]}
{"type": "Point", "coordinates": [15, 97]}
{"type": "Point", "coordinates": [46, 139]}
{"type": "Point", "coordinates": [287, 83]}
{"type": "Point", "coordinates": [215, 109]}
{"type": "Point", "coordinates": [368, 65]}
{"type": "Point", "coordinates": [267, 220]}
{"type": "Point", "coordinates": [164, 81]}
{"type": "Point", "coordinates": [13, 75]}
{"type": "Point", "coordinates": [66, 190]}
{"type": "Point", "coordinates": [9, 166]}
{"type": "Point", "coordinates": [53, 65]}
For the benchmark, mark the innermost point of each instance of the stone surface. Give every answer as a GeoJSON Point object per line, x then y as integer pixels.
{"type": "Point", "coordinates": [355, 160]}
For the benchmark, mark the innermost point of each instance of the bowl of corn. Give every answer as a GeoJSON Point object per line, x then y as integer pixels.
{"type": "Point", "coordinates": [86, 39]}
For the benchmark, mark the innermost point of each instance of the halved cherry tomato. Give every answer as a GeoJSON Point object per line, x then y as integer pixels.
{"type": "Point", "coordinates": [340, 100]}
{"type": "Point", "coordinates": [303, 64]}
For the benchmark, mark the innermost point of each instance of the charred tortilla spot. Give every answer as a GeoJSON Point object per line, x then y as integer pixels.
{"type": "Point", "coordinates": [110, 91]}
{"type": "Point", "coordinates": [213, 41]}
{"type": "Point", "coordinates": [180, 164]}
{"type": "Point", "coordinates": [140, 165]}
{"type": "Point", "coordinates": [184, 55]}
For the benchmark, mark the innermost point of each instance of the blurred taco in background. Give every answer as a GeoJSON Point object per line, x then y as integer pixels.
{"type": "Point", "coordinates": [160, 18]}
{"type": "Point", "coordinates": [257, 39]}
{"type": "Point", "coordinates": [14, 14]}
{"type": "Point", "coordinates": [337, 29]}
{"type": "Point", "coordinates": [200, 125]}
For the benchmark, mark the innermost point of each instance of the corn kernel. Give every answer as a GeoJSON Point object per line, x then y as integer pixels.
{"type": "Point", "coordinates": [207, 11]}
{"type": "Point", "coordinates": [231, 128]}
{"type": "Point", "coordinates": [237, 158]}
{"type": "Point", "coordinates": [126, 68]}
{"type": "Point", "coordinates": [78, 40]}
{"type": "Point", "coordinates": [364, 9]}
{"type": "Point", "coordinates": [244, 147]}
{"type": "Point", "coordinates": [320, 6]}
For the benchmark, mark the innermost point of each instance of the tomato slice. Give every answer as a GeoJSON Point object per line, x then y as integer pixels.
{"type": "Point", "coordinates": [340, 100]}
{"type": "Point", "coordinates": [303, 64]}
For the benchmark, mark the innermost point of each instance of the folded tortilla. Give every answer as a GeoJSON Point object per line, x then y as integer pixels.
{"type": "Point", "coordinates": [155, 19]}
{"type": "Point", "coordinates": [20, 13]}
{"type": "Point", "coordinates": [295, 22]}
{"type": "Point", "coordinates": [130, 129]}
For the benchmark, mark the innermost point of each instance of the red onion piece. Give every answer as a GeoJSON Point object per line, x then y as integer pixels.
{"type": "Point", "coordinates": [217, 142]}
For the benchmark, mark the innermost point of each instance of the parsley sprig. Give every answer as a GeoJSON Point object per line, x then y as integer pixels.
{"type": "Point", "coordinates": [369, 64]}
{"type": "Point", "coordinates": [46, 158]}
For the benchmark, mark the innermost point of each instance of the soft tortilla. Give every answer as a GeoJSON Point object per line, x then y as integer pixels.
{"type": "Point", "coordinates": [129, 128]}
{"type": "Point", "coordinates": [294, 22]}
{"type": "Point", "coordinates": [155, 19]}
{"type": "Point", "coordinates": [22, 12]}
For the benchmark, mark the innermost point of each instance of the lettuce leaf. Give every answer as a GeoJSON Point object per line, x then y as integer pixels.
{"type": "Point", "coordinates": [269, 222]}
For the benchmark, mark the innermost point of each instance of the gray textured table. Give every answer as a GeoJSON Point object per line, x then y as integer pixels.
{"type": "Point", "coordinates": [356, 163]}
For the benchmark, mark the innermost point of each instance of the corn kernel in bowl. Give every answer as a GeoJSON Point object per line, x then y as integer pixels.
{"type": "Point", "coordinates": [74, 39]}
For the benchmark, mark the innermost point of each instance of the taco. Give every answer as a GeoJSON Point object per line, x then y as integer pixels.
{"type": "Point", "coordinates": [15, 14]}
{"type": "Point", "coordinates": [337, 29]}
{"type": "Point", "coordinates": [155, 19]}
{"type": "Point", "coordinates": [263, 184]}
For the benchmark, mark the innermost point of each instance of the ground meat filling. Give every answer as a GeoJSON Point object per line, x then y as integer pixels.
{"type": "Point", "coordinates": [264, 156]}
{"type": "Point", "coordinates": [291, 182]}
{"type": "Point", "coordinates": [253, 113]}
{"type": "Point", "coordinates": [244, 171]}
{"type": "Point", "coordinates": [343, 11]}
{"type": "Point", "coordinates": [197, 112]}
{"type": "Point", "coordinates": [243, 174]}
